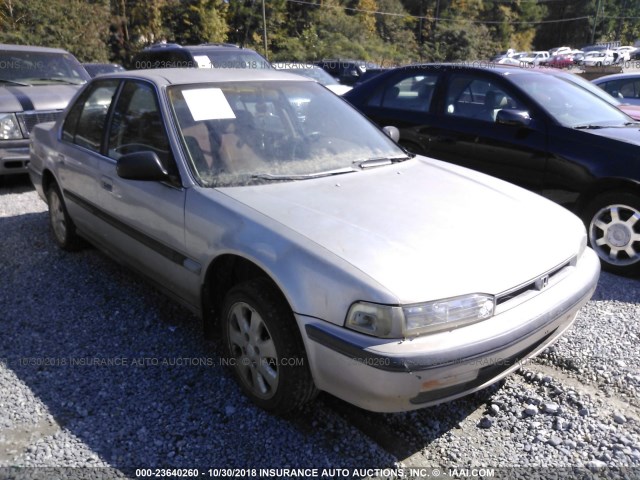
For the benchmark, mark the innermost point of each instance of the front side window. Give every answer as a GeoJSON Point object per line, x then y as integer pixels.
{"type": "Point", "coordinates": [85, 123]}
{"type": "Point", "coordinates": [477, 98]}
{"type": "Point", "coordinates": [137, 125]}
{"type": "Point", "coordinates": [623, 88]}
{"type": "Point", "coordinates": [251, 132]}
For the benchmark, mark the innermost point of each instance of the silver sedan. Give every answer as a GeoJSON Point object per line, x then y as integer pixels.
{"type": "Point", "coordinates": [324, 256]}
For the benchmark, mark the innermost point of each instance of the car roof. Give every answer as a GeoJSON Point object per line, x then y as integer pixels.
{"type": "Point", "coordinates": [616, 76]}
{"type": "Point", "coordinates": [299, 65]}
{"type": "Point", "coordinates": [181, 76]}
{"type": "Point", "coordinates": [484, 66]}
{"type": "Point", "coordinates": [195, 48]}
{"type": "Point", "coordinates": [30, 48]}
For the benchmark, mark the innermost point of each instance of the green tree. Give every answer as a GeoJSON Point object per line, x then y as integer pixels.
{"type": "Point", "coordinates": [196, 21]}
{"type": "Point", "coordinates": [78, 26]}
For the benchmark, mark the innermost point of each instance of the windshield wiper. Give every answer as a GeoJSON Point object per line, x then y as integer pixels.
{"type": "Point", "coordinates": [379, 161]}
{"type": "Point", "coordinates": [59, 80]}
{"type": "Point", "coordinates": [304, 176]}
{"type": "Point", "coordinates": [22, 84]}
{"type": "Point", "coordinates": [595, 127]}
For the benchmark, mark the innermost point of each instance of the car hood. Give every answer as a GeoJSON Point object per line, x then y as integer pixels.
{"type": "Point", "coordinates": [14, 98]}
{"type": "Point", "coordinates": [632, 110]}
{"type": "Point", "coordinates": [630, 134]}
{"type": "Point", "coordinates": [424, 229]}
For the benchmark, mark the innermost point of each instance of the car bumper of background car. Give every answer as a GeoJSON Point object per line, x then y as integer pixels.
{"type": "Point", "coordinates": [14, 156]}
{"type": "Point", "coordinates": [390, 375]}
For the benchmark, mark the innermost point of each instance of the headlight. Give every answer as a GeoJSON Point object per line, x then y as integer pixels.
{"type": "Point", "coordinates": [447, 314]}
{"type": "Point", "coordinates": [397, 322]}
{"type": "Point", "coordinates": [9, 129]}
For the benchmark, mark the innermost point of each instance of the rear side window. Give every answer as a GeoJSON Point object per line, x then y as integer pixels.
{"type": "Point", "coordinates": [412, 92]}
{"type": "Point", "coordinates": [85, 123]}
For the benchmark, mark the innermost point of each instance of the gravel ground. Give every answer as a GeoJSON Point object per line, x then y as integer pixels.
{"type": "Point", "coordinates": [63, 317]}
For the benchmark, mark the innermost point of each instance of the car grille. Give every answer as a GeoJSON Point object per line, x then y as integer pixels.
{"type": "Point", "coordinates": [536, 285]}
{"type": "Point", "coordinates": [28, 120]}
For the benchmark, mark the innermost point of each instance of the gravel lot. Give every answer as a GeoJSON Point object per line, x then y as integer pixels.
{"type": "Point", "coordinates": [63, 317]}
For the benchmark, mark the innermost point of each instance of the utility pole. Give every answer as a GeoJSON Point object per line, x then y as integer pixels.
{"type": "Point", "coordinates": [595, 22]}
{"type": "Point", "coordinates": [264, 30]}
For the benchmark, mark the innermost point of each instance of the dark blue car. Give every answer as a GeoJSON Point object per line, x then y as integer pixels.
{"type": "Point", "coordinates": [531, 128]}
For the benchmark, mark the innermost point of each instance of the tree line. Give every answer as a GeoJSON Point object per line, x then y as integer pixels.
{"type": "Point", "coordinates": [381, 31]}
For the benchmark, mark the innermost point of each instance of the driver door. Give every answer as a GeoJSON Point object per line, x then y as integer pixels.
{"type": "Point", "coordinates": [469, 134]}
{"type": "Point", "coordinates": [145, 219]}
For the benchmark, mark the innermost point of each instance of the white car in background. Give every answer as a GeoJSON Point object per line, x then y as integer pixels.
{"type": "Point", "coordinates": [534, 58]}
{"type": "Point", "coordinates": [598, 58]}
{"type": "Point", "coordinates": [560, 51]}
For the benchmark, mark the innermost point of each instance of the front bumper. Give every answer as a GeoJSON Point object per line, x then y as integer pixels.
{"type": "Point", "coordinates": [14, 156]}
{"type": "Point", "coordinates": [398, 375]}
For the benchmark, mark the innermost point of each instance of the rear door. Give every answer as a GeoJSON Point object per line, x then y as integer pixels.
{"type": "Point", "coordinates": [78, 155]}
{"type": "Point", "coordinates": [405, 101]}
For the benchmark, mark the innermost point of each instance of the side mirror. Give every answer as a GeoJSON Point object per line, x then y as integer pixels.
{"type": "Point", "coordinates": [144, 166]}
{"type": "Point", "coordinates": [393, 133]}
{"type": "Point", "coordinates": [515, 118]}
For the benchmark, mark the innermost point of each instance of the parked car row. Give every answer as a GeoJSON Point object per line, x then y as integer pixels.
{"type": "Point", "coordinates": [566, 57]}
{"type": "Point", "coordinates": [255, 198]}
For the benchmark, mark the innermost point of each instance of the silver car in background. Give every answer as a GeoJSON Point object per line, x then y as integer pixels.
{"type": "Point", "coordinates": [36, 84]}
{"type": "Point", "coordinates": [324, 255]}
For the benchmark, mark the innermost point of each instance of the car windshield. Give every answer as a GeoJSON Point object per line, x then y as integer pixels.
{"type": "Point", "coordinates": [587, 85]}
{"type": "Point", "coordinates": [40, 68]}
{"type": "Point", "coordinates": [569, 104]}
{"type": "Point", "coordinates": [254, 132]}
{"type": "Point", "coordinates": [231, 58]}
{"type": "Point", "coordinates": [314, 72]}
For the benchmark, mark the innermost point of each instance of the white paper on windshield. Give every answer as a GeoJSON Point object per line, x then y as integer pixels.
{"type": "Point", "coordinates": [208, 104]}
{"type": "Point", "coordinates": [203, 61]}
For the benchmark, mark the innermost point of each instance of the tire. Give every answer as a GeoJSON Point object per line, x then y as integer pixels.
{"type": "Point", "coordinates": [264, 347]}
{"type": "Point", "coordinates": [613, 228]}
{"type": "Point", "coordinates": [62, 227]}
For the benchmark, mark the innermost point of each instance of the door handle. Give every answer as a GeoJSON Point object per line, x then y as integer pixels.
{"type": "Point", "coordinates": [61, 159]}
{"type": "Point", "coordinates": [107, 184]}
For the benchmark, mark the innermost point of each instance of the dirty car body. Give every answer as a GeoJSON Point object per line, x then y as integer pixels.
{"type": "Point", "coordinates": [325, 256]}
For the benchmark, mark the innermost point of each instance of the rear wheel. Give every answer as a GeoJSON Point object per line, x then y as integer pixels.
{"type": "Point", "coordinates": [62, 227]}
{"type": "Point", "coordinates": [613, 224]}
{"type": "Point", "coordinates": [263, 344]}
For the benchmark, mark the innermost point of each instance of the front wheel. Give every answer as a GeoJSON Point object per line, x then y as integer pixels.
{"type": "Point", "coordinates": [263, 345]}
{"type": "Point", "coordinates": [613, 224]}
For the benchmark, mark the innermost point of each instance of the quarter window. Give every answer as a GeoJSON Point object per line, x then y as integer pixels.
{"type": "Point", "coordinates": [85, 123]}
